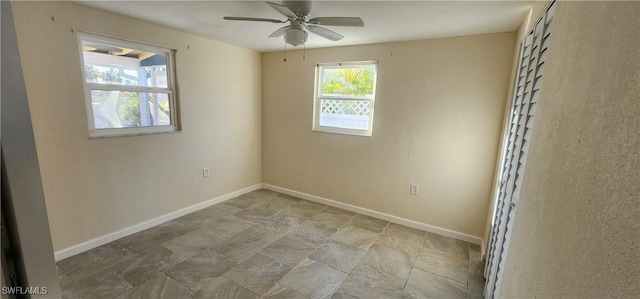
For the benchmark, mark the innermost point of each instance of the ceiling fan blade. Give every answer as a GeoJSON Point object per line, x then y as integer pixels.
{"type": "Point", "coordinates": [338, 21]}
{"type": "Point", "coordinates": [324, 32]}
{"type": "Point", "coordinates": [283, 10]}
{"type": "Point", "coordinates": [253, 19]}
{"type": "Point", "coordinates": [279, 32]}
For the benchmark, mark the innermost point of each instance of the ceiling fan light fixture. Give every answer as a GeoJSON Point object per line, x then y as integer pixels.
{"type": "Point", "coordinates": [297, 13]}
{"type": "Point", "coordinates": [295, 36]}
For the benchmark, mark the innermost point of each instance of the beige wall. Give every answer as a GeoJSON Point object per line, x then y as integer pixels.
{"type": "Point", "coordinates": [438, 118]}
{"type": "Point", "coordinates": [98, 186]}
{"type": "Point", "coordinates": [577, 230]}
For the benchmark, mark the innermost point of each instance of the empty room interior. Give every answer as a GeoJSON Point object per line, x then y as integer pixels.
{"type": "Point", "coordinates": [320, 149]}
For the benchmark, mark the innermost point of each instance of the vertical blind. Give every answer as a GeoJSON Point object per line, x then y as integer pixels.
{"type": "Point", "coordinates": [525, 99]}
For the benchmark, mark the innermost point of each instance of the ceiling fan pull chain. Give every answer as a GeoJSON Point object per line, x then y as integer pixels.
{"type": "Point", "coordinates": [285, 52]}
{"type": "Point", "coordinates": [304, 52]}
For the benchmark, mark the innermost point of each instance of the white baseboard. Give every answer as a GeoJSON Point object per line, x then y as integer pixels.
{"type": "Point", "coordinates": [93, 243]}
{"type": "Point", "coordinates": [380, 215]}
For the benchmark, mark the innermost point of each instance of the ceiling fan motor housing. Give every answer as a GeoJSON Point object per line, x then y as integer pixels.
{"type": "Point", "coordinates": [299, 7]}
{"type": "Point", "coordinates": [295, 36]}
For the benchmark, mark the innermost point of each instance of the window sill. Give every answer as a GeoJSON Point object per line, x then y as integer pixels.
{"type": "Point", "coordinates": [111, 133]}
{"type": "Point", "coordinates": [361, 133]}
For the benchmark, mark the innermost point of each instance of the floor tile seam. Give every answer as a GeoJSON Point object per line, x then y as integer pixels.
{"type": "Point", "coordinates": [309, 255]}
{"type": "Point", "coordinates": [245, 232]}
{"type": "Point", "coordinates": [120, 276]}
{"type": "Point", "coordinates": [68, 282]}
{"type": "Point", "coordinates": [405, 233]}
{"type": "Point", "coordinates": [143, 282]}
{"type": "Point", "coordinates": [181, 234]}
{"type": "Point", "coordinates": [447, 266]}
{"type": "Point", "coordinates": [129, 283]}
{"type": "Point", "coordinates": [263, 197]}
{"type": "Point", "coordinates": [342, 226]}
{"type": "Point", "coordinates": [385, 227]}
{"type": "Point", "coordinates": [348, 221]}
{"type": "Point", "coordinates": [414, 257]}
{"type": "Point", "coordinates": [317, 261]}
{"type": "Point", "coordinates": [325, 207]}
{"type": "Point", "coordinates": [444, 253]}
{"type": "Point", "coordinates": [375, 232]}
{"type": "Point", "coordinates": [180, 283]}
{"type": "Point", "coordinates": [188, 257]}
{"type": "Point", "coordinates": [341, 283]}
{"type": "Point", "coordinates": [65, 273]}
{"type": "Point", "coordinates": [174, 280]}
{"type": "Point", "coordinates": [289, 229]}
{"type": "Point", "coordinates": [371, 269]}
{"type": "Point", "coordinates": [103, 270]}
{"type": "Point", "coordinates": [407, 281]}
{"type": "Point", "coordinates": [148, 249]}
{"type": "Point", "coordinates": [469, 266]}
{"type": "Point", "coordinates": [444, 277]}
{"type": "Point", "coordinates": [278, 260]}
{"type": "Point", "coordinates": [135, 255]}
{"type": "Point", "coordinates": [424, 239]}
{"type": "Point", "coordinates": [134, 287]}
{"type": "Point", "coordinates": [275, 211]}
{"type": "Point", "coordinates": [92, 255]}
{"type": "Point", "coordinates": [481, 274]}
{"type": "Point", "coordinates": [121, 247]}
{"type": "Point", "coordinates": [352, 223]}
{"type": "Point", "coordinates": [467, 287]}
{"type": "Point", "coordinates": [339, 286]}
{"type": "Point", "coordinates": [457, 261]}
{"type": "Point", "coordinates": [250, 291]}
{"type": "Point", "coordinates": [292, 290]}
{"type": "Point", "coordinates": [350, 246]}
{"type": "Point", "coordinates": [414, 260]}
{"type": "Point", "coordinates": [215, 251]}
{"type": "Point", "coordinates": [259, 296]}
{"type": "Point", "coordinates": [275, 193]}
{"type": "Point", "coordinates": [395, 261]}
{"type": "Point", "coordinates": [306, 257]}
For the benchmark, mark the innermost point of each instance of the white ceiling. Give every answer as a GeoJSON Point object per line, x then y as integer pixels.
{"type": "Point", "coordinates": [385, 21]}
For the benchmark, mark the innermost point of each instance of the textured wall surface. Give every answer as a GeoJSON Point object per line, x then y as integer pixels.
{"type": "Point", "coordinates": [577, 227]}
{"type": "Point", "coordinates": [97, 186]}
{"type": "Point", "coordinates": [438, 115]}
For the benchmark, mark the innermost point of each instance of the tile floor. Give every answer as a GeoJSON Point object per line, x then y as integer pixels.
{"type": "Point", "coordinates": [269, 245]}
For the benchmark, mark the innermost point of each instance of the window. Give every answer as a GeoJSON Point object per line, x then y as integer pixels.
{"type": "Point", "coordinates": [344, 97]}
{"type": "Point", "coordinates": [129, 87]}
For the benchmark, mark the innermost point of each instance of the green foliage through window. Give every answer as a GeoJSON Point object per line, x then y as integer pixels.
{"type": "Point", "coordinates": [355, 81]}
{"type": "Point", "coordinates": [129, 109]}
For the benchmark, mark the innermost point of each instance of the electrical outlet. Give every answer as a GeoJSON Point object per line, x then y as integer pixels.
{"type": "Point", "coordinates": [205, 172]}
{"type": "Point", "coordinates": [413, 190]}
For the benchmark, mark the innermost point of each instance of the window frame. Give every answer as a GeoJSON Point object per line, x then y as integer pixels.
{"type": "Point", "coordinates": [170, 90]}
{"type": "Point", "coordinates": [318, 97]}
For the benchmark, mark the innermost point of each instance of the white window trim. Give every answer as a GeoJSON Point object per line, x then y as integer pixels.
{"type": "Point", "coordinates": [318, 97]}
{"type": "Point", "coordinates": [170, 89]}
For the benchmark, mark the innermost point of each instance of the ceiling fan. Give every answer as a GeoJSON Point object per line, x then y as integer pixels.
{"type": "Point", "coordinates": [297, 13]}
